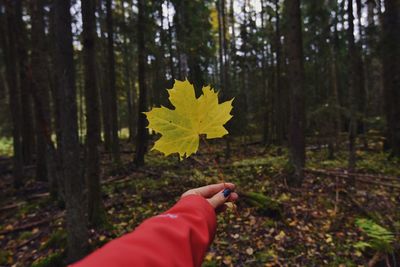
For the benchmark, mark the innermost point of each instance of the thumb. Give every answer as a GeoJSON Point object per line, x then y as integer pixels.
{"type": "Point", "coordinates": [220, 198]}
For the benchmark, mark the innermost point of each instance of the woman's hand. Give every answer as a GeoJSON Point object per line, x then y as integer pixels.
{"type": "Point", "coordinates": [216, 194]}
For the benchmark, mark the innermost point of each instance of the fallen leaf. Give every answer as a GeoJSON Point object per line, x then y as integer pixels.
{"type": "Point", "coordinates": [249, 251]}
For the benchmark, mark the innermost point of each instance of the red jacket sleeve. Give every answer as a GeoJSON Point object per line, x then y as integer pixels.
{"type": "Point", "coordinates": [178, 237]}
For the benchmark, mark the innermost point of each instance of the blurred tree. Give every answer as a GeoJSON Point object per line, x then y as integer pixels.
{"type": "Point", "coordinates": [27, 123]}
{"type": "Point", "coordinates": [95, 210]}
{"type": "Point", "coordinates": [41, 92]}
{"type": "Point", "coordinates": [296, 74]}
{"type": "Point", "coordinates": [142, 136]}
{"type": "Point", "coordinates": [391, 73]}
{"type": "Point", "coordinates": [9, 44]}
{"type": "Point", "coordinates": [352, 84]}
{"type": "Point", "coordinates": [76, 223]}
{"type": "Point", "coordinates": [113, 117]}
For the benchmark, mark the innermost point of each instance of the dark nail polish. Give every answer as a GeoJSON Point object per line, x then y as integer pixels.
{"type": "Point", "coordinates": [226, 192]}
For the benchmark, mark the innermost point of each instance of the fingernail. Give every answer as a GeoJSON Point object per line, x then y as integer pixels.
{"type": "Point", "coordinates": [227, 192]}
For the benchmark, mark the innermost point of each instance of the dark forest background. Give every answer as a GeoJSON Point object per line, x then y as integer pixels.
{"type": "Point", "coordinates": [75, 77]}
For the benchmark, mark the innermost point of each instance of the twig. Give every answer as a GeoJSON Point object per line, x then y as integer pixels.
{"type": "Point", "coordinates": [366, 175]}
{"type": "Point", "coordinates": [372, 262]}
{"type": "Point", "coordinates": [29, 240]}
{"type": "Point", "coordinates": [31, 225]}
{"type": "Point", "coordinates": [347, 176]}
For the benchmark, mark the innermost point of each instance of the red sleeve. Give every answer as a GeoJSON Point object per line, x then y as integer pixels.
{"type": "Point", "coordinates": [178, 237]}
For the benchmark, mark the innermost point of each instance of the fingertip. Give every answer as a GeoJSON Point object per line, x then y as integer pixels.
{"type": "Point", "coordinates": [233, 197]}
{"type": "Point", "coordinates": [231, 186]}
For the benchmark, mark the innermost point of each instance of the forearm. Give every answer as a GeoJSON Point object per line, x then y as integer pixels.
{"type": "Point", "coordinates": [178, 237]}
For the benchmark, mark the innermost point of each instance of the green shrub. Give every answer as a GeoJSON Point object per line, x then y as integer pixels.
{"type": "Point", "coordinates": [379, 238]}
{"type": "Point", "coordinates": [53, 260]}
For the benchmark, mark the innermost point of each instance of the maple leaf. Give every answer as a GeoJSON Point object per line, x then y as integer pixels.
{"type": "Point", "coordinates": [180, 127]}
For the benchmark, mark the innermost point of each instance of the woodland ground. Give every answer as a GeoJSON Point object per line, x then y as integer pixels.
{"type": "Point", "coordinates": [315, 228]}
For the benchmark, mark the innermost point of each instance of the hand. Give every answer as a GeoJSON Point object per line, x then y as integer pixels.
{"type": "Point", "coordinates": [214, 194]}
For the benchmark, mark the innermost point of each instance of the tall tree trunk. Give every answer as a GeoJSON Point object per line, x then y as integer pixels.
{"type": "Point", "coordinates": [11, 59]}
{"type": "Point", "coordinates": [27, 124]}
{"type": "Point", "coordinates": [391, 74]}
{"type": "Point", "coordinates": [142, 135]}
{"type": "Point", "coordinates": [41, 91]}
{"type": "Point", "coordinates": [296, 74]}
{"type": "Point", "coordinates": [170, 39]}
{"type": "Point", "coordinates": [127, 58]}
{"type": "Point", "coordinates": [95, 208]}
{"type": "Point", "coordinates": [265, 81]}
{"type": "Point", "coordinates": [360, 74]}
{"type": "Point", "coordinates": [180, 24]}
{"type": "Point", "coordinates": [103, 81]}
{"type": "Point", "coordinates": [54, 163]}
{"type": "Point", "coordinates": [279, 114]}
{"type": "Point", "coordinates": [221, 39]}
{"type": "Point", "coordinates": [232, 51]}
{"type": "Point", "coordinates": [76, 223]}
{"type": "Point", "coordinates": [335, 121]}
{"type": "Point", "coordinates": [352, 85]}
{"type": "Point", "coordinates": [112, 84]}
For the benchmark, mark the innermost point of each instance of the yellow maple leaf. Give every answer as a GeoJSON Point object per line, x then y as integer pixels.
{"type": "Point", "coordinates": [180, 127]}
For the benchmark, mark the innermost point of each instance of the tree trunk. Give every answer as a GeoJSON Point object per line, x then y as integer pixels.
{"type": "Point", "coordinates": [95, 209]}
{"type": "Point", "coordinates": [221, 44]}
{"type": "Point", "coordinates": [69, 141]}
{"type": "Point", "coordinates": [103, 81]}
{"type": "Point", "coordinates": [391, 74]}
{"type": "Point", "coordinates": [360, 74]}
{"type": "Point", "coordinates": [279, 114]}
{"type": "Point", "coordinates": [40, 91]}
{"type": "Point", "coordinates": [352, 85]}
{"type": "Point", "coordinates": [127, 58]}
{"type": "Point", "coordinates": [170, 50]}
{"type": "Point", "coordinates": [27, 123]}
{"type": "Point", "coordinates": [296, 74]}
{"type": "Point", "coordinates": [112, 84]}
{"type": "Point", "coordinates": [11, 59]}
{"type": "Point", "coordinates": [141, 141]}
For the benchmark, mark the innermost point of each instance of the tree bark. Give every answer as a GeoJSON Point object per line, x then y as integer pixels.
{"type": "Point", "coordinates": [9, 44]}
{"type": "Point", "coordinates": [391, 74]}
{"type": "Point", "coordinates": [142, 135]}
{"type": "Point", "coordinates": [127, 58]}
{"type": "Point", "coordinates": [96, 214]}
{"type": "Point", "coordinates": [103, 81]}
{"type": "Point", "coordinates": [45, 152]}
{"type": "Point", "coordinates": [112, 84]}
{"type": "Point", "coordinates": [352, 84]}
{"type": "Point", "coordinates": [296, 74]}
{"type": "Point", "coordinates": [170, 50]}
{"type": "Point", "coordinates": [27, 123]}
{"type": "Point", "coordinates": [279, 114]}
{"type": "Point", "coordinates": [76, 223]}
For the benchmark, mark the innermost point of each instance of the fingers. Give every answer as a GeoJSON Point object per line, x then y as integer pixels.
{"type": "Point", "coordinates": [210, 190]}
{"type": "Point", "coordinates": [221, 197]}
{"type": "Point", "coordinates": [233, 197]}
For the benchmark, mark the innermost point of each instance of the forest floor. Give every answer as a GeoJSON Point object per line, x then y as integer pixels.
{"type": "Point", "coordinates": [314, 225]}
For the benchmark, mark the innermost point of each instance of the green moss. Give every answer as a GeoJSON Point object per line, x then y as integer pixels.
{"type": "Point", "coordinates": [4, 255]}
{"type": "Point", "coordinates": [53, 260]}
{"type": "Point", "coordinates": [6, 146]}
{"type": "Point", "coordinates": [342, 261]}
{"type": "Point", "coordinates": [211, 263]}
{"type": "Point", "coordinates": [58, 239]}
{"type": "Point", "coordinates": [25, 235]}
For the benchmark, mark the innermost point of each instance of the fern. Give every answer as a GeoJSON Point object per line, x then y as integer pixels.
{"type": "Point", "coordinates": [380, 238]}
